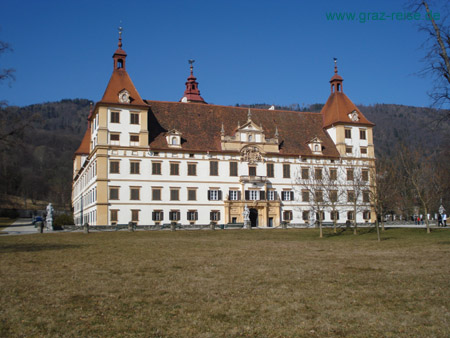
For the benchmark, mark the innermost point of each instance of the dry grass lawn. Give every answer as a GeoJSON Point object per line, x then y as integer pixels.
{"type": "Point", "coordinates": [226, 284]}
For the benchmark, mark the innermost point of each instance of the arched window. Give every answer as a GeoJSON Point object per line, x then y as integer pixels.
{"type": "Point", "coordinates": [174, 140]}
{"type": "Point", "coordinates": [316, 147]}
{"type": "Point", "coordinates": [250, 137]}
{"type": "Point", "coordinates": [119, 63]}
{"type": "Point", "coordinates": [338, 87]}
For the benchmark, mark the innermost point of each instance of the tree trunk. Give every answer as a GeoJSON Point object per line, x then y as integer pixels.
{"type": "Point", "coordinates": [427, 222]}
{"type": "Point", "coordinates": [378, 229]}
{"type": "Point", "coordinates": [320, 229]}
{"type": "Point", "coordinates": [334, 224]}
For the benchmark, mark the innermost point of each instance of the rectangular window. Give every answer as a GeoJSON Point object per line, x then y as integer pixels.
{"type": "Point", "coordinates": [320, 215]}
{"type": "Point", "coordinates": [174, 169]}
{"type": "Point", "coordinates": [214, 195]}
{"type": "Point", "coordinates": [305, 195]}
{"type": "Point", "coordinates": [305, 173]}
{"type": "Point", "coordinates": [174, 194]}
{"type": "Point", "coordinates": [156, 168]}
{"type": "Point", "coordinates": [334, 215]}
{"type": "Point", "coordinates": [349, 174]}
{"type": "Point", "coordinates": [365, 175]}
{"type": "Point", "coordinates": [174, 215]}
{"type": "Point", "coordinates": [286, 171]}
{"type": "Point", "coordinates": [251, 171]}
{"type": "Point", "coordinates": [234, 195]}
{"type": "Point", "coordinates": [114, 167]}
{"type": "Point", "coordinates": [157, 215]}
{"type": "Point", "coordinates": [156, 194]}
{"type": "Point", "coordinates": [192, 169]}
{"type": "Point", "coordinates": [134, 139]}
{"type": "Point", "coordinates": [270, 171]}
{"type": "Point", "coordinates": [113, 193]}
{"type": "Point", "coordinates": [192, 215]}
{"type": "Point", "coordinates": [287, 195]}
{"type": "Point", "coordinates": [366, 215]}
{"type": "Point", "coordinates": [214, 215]}
{"type": "Point", "coordinates": [192, 194]}
{"type": "Point", "coordinates": [114, 138]}
{"type": "Point", "coordinates": [134, 215]}
{"type": "Point", "coordinates": [350, 215]}
{"type": "Point", "coordinates": [233, 169]}
{"type": "Point", "coordinates": [318, 174]}
{"type": "Point", "coordinates": [305, 215]}
{"type": "Point", "coordinates": [271, 195]}
{"type": "Point", "coordinates": [287, 215]}
{"type": "Point", "coordinates": [363, 151]}
{"type": "Point", "coordinates": [134, 167]}
{"type": "Point", "coordinates": [348, 133]}
{"type": "Point", "coordinates": [348, 150]}
{"type": "Point", "coordinates": [350, 196]}
{"type": "Point", "coordinates": [333, 196]}
{"type": "Point", "coordinates": [114, 215]}
{"type": "Point", "coordinates": [253, 195]}
{"type": "Point", "coordinates": [362, 134]}
{"type": "Point", "coordinates": [134, 193]}
{"type": "Point", "coordinates": [318, 196]}
{"type": "Point", "coordinates": [213, 168]}
{"type": "Point", "coordinates": [134, 118]}
{"type": "Point", "coordinates": [366, 196]}
{"type": "Point", "coordinates": [115, 117]}
{"type": "Point", "coordinates": [333, 174]}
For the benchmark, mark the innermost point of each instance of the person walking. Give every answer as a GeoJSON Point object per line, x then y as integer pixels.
{"type": "Point", "coordinates": [444, 219]}
{"type": "Point", "coordinates": [439, 220]}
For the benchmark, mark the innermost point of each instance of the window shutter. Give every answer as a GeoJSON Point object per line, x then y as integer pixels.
{"type": "Point", "coordinates": [196, 216]}
{"type": "Point", "coordinates": [178, 216]}
{"type": "Point", "coordinates": [218, 215]}
{"type": "Point", "coordinates": [292, 195]}
{"type": "Point", "coordinates": [161, 215]}
{"type": "Point", "coordinates": [262, 195]}
{"type": "Point", "coordinates": [211, 216]}
{"type": "Point", "coordinates": [247, 195]}
{"type": "Point", "coordinates": [209, 195]}
{"type": "Point", "coordinates": [220, 195]}
{"type": "Point", "coordinates": [153, 216]}
{"type": "Point", "coordinates": [239, 195]}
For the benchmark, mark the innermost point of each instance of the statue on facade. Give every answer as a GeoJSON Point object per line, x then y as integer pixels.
{"type": "Point", "coordinates": [49, 218]}
{"type": "Point", "coordinates": [246, 215]}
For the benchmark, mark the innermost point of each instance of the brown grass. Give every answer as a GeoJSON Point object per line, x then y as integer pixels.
{"type": "Point", "coordinates": [225, 284]}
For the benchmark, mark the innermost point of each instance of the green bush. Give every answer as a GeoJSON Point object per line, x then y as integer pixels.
{"type": "Point", "coordinates": [63, 219]}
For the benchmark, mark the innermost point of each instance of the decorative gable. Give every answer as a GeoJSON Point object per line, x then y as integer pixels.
{"type": "Point", "coordinates": [316, 146]}
{"type": "Point", "coordinates": [173, 138]}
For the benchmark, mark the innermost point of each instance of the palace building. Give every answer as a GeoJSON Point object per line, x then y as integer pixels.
{"type": "Point", "coordinates": [190, 162]}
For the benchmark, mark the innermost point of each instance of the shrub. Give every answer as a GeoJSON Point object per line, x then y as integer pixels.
{"type": "Point", "coordinates": [63, 219]}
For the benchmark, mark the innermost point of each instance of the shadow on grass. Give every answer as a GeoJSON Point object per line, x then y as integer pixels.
{"type": "Point", "coordinates": [34, 247]}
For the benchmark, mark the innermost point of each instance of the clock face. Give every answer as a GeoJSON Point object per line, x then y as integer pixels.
{"type": "Point", "coordinates": [354, 116]}
{"type": "Point", "coordinates": [124, 97]}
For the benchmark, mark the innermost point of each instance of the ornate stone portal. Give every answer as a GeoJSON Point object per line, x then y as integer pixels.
{"type": "Point", "coordinates": [251, 154]}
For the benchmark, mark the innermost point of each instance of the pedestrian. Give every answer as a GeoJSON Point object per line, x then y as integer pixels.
{"type": "Point", "coordinates": [439, 220]}
{"type": "Point", "coordinates": [421, 219]}
{"type": "Point", "coordinates": [444, 219]}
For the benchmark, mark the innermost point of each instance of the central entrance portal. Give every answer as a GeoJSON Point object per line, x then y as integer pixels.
{"type": "Point", "coordinates": [254, 217]}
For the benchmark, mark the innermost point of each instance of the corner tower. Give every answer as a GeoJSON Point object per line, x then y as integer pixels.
{"type": "Point", "coordinates": [350, 130]}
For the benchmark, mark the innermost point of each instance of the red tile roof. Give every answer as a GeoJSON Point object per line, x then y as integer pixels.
{"type": "Point", "coordinates": [201, 124]}
{"type": "Point", "coordinates": [121, 80]}
{"type": "Point", "coordinates": [84, 148]}
{"type": "Point", "coordinates": [337, 108]}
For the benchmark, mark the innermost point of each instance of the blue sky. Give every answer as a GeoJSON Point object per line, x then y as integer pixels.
{"type": "Point", "coordinates": [276, 52]}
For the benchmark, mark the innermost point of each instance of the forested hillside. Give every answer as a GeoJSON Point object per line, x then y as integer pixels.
{"type": "Point", "coordinates": [36, 163]}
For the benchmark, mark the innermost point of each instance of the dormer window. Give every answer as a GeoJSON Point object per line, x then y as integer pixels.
{"type": "Point", "coordinates": [315, 145]}
{"type": "Point", "coordinates": [250, 138]}
{"type": "Point", "coordinates": [173, 138]}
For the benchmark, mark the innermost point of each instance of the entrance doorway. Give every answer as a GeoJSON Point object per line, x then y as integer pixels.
{"type": "Point", "coordinates": [254, 217]}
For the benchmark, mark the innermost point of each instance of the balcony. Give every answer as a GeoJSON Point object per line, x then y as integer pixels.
{"type": "Point", "coordinates": [253, 179]}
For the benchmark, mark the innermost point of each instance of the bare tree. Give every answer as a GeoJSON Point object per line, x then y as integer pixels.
{"type": "Point", "coordinates": [423, 176]}
{"type": "Point", "coordinates": [333, 192]}
{"type": "Point", "coordinates": [438, 46]}
{"type": "Point", "coordinates": [310, 184]}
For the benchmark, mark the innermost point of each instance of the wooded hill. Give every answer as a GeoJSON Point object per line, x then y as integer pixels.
{"type": "Point", "coordinates": [36, 163]}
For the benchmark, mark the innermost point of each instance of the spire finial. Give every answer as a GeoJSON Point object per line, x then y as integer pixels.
{"type": "Point", "coordinates": [249, 114]}
{"type": "Point", "coordinates": [191, 62]}
{"type": "Point", "coordinates": [335, 65]}
{"type": "Point", "coordinates": [120, 35]}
